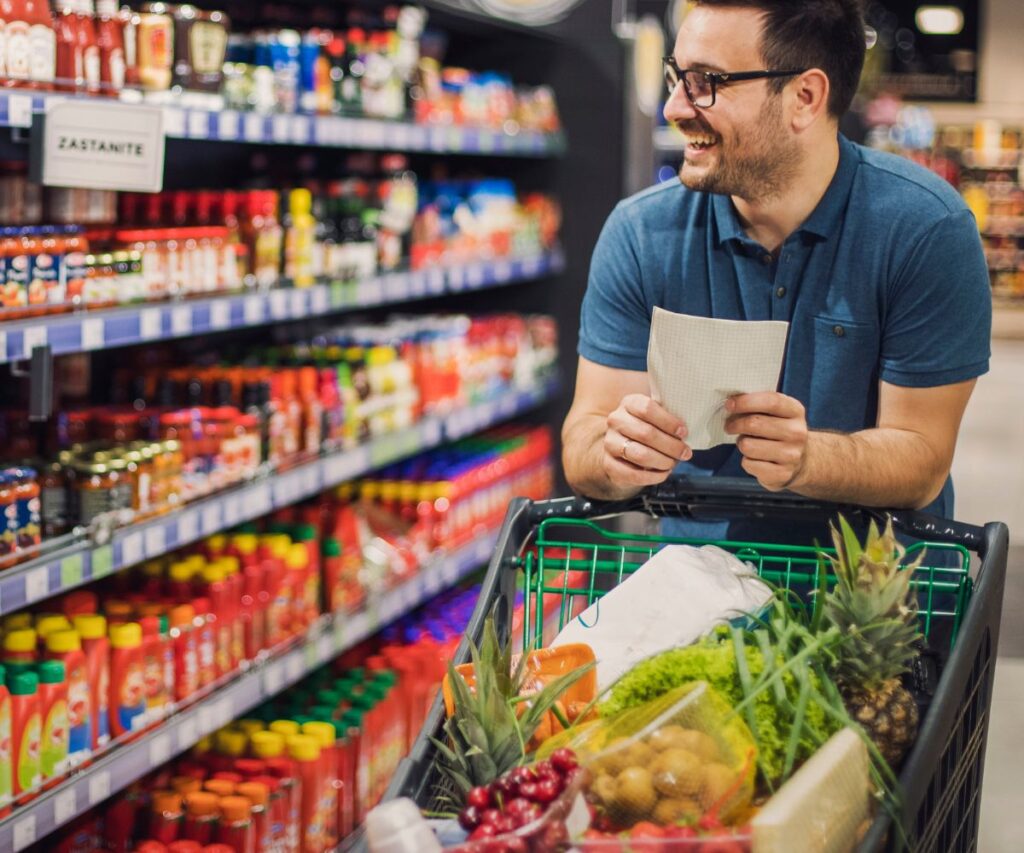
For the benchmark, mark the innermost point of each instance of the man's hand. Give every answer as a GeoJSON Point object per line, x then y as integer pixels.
{"type": "Point", "coordinates": [772, 430]}
{"type": "Point", "coordinates": [642, 442]}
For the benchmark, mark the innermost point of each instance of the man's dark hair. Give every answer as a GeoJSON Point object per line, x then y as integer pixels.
{"type": "Point", "coordinates": [825, 34]}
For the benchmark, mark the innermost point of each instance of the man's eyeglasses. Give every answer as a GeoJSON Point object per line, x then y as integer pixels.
{"type": "Point", "coordinates": [701, 87]}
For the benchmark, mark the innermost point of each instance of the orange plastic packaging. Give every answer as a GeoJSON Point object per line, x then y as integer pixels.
{"type": "Point", "coordinates": [258, 796]}
{"type": "Point", "coordinates": [270, 746]}
{"type": "Point", "coordinates": [542, 666]}
{"type": "Point", "coordinates": [66, 646]}
{"type": "Point", "coordinates": [156, 652]}
{"type": "Point", "coordinates": [324, 734]}
{"type": "Point", "coordinates": [127, 686]}
{"type": "Point", "coordinates": [92, 630]}
{"type": "Point", "coordinates": [186, 658]}
{"type": "Point", "coordinates": [5, 746]}
{"type": "Point", "coordinates": [201, 815]}
{"type": "Point", "coordinates": [26, 733]}
{"type": "Point", "coordinates": [305, 752]}
{"type": "Point", "coordinates": [236, 828]}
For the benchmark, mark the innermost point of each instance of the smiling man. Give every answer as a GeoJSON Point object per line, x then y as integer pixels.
{"type": "Point", "coordinates": [875, 262]}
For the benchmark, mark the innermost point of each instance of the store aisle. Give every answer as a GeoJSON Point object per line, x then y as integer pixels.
{"type": "Point", "coordinates": [989, 476]}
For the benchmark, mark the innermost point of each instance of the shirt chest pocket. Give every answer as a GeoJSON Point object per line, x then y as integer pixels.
{"type": "Point", "coordinates": [843, 392]}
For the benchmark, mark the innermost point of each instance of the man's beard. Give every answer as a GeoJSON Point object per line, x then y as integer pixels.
{"type": "Point", "coordinates": [758, 167]}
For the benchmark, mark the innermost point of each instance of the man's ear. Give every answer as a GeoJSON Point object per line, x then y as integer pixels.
{"type": "Point", "coordinates": [809, 98]}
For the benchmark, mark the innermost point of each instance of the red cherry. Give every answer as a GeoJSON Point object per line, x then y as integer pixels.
{"type": "Point", "coordinates": [548, 790]}
{"type": "Point", "coordinates": [480, 797]}
{"type": "Point", "coordinates": [505, 823]}
{"type": "Point", "coordinates": [515, 844]}
{"type": "Point", "coordinates": [485, 830]}
{"type": "Point", "coordinates": [505, 788]}
{"type": "Point", "coordinates": [529, 790]}
{"type": "Point", "coordinates": [564, 760]}
{"type": "Point", "coordinates": [469, 818]}
{"type": "Point", "coordinates": [521, 775]}
{"type": "Point", "coordinates": [489, 816]}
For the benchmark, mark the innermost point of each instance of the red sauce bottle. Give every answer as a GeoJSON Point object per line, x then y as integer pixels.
{"type": "Point", "coordinates": [70, 61]}
{"type": "Point", "coordinates": [110, 39]}
{"type": "Point", "coordinates": [89, 45]}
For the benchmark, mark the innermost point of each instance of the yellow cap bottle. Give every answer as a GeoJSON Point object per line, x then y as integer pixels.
{"type": "Point", "coordinates": [91, 626]}
{"type": "Point", "coordinates": [267, 744]}
{"type": "Point", "coordinates": [286, 728]}
{"type": "Point", "coordinates": [231, 743]}
{"type": "Point", "coordinates": [249, 727]}
{"type": "Point", "coordinates": [46, 625]}
{"type": "Point", "coordinates": [62, 642]}
{"type": "Point", "coordinates": [323, 733]}
{"type": "Point", "coordinates": [21, 641]}
{"type": "Point", "coordinates": [303, 748]}
{"type": "Point", "coordinates": [127, 635]}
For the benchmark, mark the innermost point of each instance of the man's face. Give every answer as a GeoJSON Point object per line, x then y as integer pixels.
{"type": "Point", "coordinates": [741, 146]}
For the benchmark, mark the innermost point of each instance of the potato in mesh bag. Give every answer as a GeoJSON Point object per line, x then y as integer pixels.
{"type": "Point", "coordinates": [673, 760]}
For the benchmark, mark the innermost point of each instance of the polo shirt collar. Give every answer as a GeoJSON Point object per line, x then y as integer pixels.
{"type": "Point", "coordinates": [824, 220]}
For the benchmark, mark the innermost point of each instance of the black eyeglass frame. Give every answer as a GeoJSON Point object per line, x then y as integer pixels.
{"type": "Point", "coordinates": [717, 78]}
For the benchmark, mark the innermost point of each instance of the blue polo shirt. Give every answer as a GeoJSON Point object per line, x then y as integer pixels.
{"type": "Point", "coordinates": [885, 280]}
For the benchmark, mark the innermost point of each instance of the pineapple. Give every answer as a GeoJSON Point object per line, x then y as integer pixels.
{"type": "Point", "coordinates": [492, 723]}
{"type": "Point", "coordinates": [873, 606]}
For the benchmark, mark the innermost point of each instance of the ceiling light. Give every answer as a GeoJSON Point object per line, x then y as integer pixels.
{"type": "Point", "coordinates": [939, 20]}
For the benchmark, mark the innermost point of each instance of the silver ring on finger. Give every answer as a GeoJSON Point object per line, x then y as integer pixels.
{"type": "Point", "coordinates": [625, 447]}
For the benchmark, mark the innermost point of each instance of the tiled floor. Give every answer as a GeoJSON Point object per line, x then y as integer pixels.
{"type": "Point", "coordinates": [989, 477]}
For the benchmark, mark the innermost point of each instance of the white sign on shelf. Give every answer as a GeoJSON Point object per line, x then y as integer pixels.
{"type": "Point", "coordinates": [156, 541]}
{"type": "Point", "coordinates": [92, 334]}
{"type": "Point", "coordinates": [65, 806]}
{"type": "Point", "coordinates": [108, 146]}
{"type": "Point", "coordinates": [254, 310]}
{"type": "Point", "coordinates": [24, 833]}
{"type": "Point", "coordinates": [159, 750]}
{"type": "Point", "coordinates": [198, 124]}
{"type": "Point", "coordinates": [273, 678]}
{"type": "Point", "coordinates": [19, 110]}
{"type": "Point", "coordinates": [37, 584]}
{"type": "Point", "coordinates": [32, 337]}
{"type": "Point", "coordinates": [220, 314]}
{"type": "Point", "coordinates": [149, 324]}
{"type": "Point", "coordinates": [188, 734]}
{"type": "Point", "coordinates": [188, 528]}
{"type": "Point", "coordinates": [227, 125]}
{"type": "Point", "coordinates": [131, 549]}
{"type": "Point", "coordinates": [253, 127]}
{"type": "Point", "coordinates": [99, 786]}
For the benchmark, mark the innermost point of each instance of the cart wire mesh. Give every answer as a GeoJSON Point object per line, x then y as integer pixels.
{"type": "Point", "coordinates": [574, 562]}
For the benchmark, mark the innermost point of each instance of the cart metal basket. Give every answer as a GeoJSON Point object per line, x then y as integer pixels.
{"type": "Point", "coordinates": [558, 550]}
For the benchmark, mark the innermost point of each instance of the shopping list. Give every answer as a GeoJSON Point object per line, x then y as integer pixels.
{"type": "Point", "coordinates": [696, 363]}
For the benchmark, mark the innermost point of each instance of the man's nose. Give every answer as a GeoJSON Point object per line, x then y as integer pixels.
{"type": "Point", "coordinates": [678, 106]}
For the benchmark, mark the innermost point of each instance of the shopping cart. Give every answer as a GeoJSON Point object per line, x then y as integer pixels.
{"type": "Point", "coordinates": [564, 556]}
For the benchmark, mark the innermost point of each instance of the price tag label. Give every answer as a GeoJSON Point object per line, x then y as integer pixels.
{"type": "Point", "coordinates": [102, 562]}
{"type": "Point", "coordinates": [32, 337]}
{"type": "Point", "coordinates": [254, 310]}
{"type": "Point", "coordinates": [320, 300]}
{"type": "Point", "coordinates": [19, 110]}
{"type": "Point", "coordinates": [3, 346]}
{"type": "Point", "coordinates": [65, 806]}
{"type": "Point", "coordinates": [396, 287]}
{"type": "Point", "coordinates": [220, 314]}
{"type": "Point", "coordinates": [188, 528]}
{"type": "Point", "coordinates": [156, 541]}
{"type": "Point", "coordinates": [149, 324]}
{"type": "Point", "coordinates": [484, 547]}
{"type": "Point", "coordinates": [457, 279]}
{"type": "Point", "coordinates": [502, 271]}
{"type": "Point", "coordinates": [206, 719]}
{"type": "Point", "coordinates": [475, 275]}
{"type": "Point", "coordinates": [298, 303]}
{"type": "Point", "coordinates": [310, 656]}
{"type": "Point", "coordinates": [371, 291]}
{"type": "Point", "coordinates": [438, 137]}
{"type": "Point", "coordinates": [174, 121]}
{"type": "Point", "coordinates": [131, 549]}
{"type": "Point", "coordinates": [24, 833]}
{"type": "Point", "coordinates": [531, 267]}
{"type": "Point", "coordinates": [300, 130]}
{"type": "Point", "coordinates": [435, 281]}
{"type": "Point", "coordinates": [99, 786]}
{"type": "Point", "coordinates": [227, 125]}
{"type": "Point", "coordinates": [71, 571]}
{"type": "Point", "coordinates": [198, 124]}
{"type": "Point", "coordinates": [92, 334]}
{"type": "Point", "coordinates": [310, 480]}
{"type": "Point", "coordinates": [279, 129]}
{"type": "Point", "coordinates": [181, 320]}
{"type": "Point", "coordinates": [187, 732]}
{"type": "Point", "coordinates": [456, 139]}
{"type": "Point", "coordinates": [159, 751]}
{"type": "Point", "coordinates": [278, 304]}
{"type": "Point", "coordinates": [37, 584]}
{"type": "Point", "coordinates": [232, 511]}
{"type": "Point", "coordinates": [212, 516]}
{"type": "Point", "coordinates": [253, 127]}
{"type": "Point", "coordinates": [258, 501]}
{"type": "Point", "coordinates": [273, 678]}
{"type": "Point", "coordinates": [293, 668]}
{"type": "Point", "coordinates": [225, 711]}
{"type": "Point", "coordinates": [418, 138]}
{"type": "Point", "coordinates": [338, 633]}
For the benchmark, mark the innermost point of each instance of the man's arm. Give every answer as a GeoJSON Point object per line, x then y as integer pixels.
{"type": "Point", "coordinates": [902, 462]}
{"type": "Point", "coordinates": [610, 408]}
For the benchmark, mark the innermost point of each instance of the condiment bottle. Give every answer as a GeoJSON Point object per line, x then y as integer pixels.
{"type": "Point", "coordinates": [156, 656]}
{"type": "Point", "coordinates": [110, 39]}
{"type": "Point", "coordinates": [89, 45]}
{"type": "Point", "coordinates": [42, 43]}
{"type": "Point", "coordinates": [5, 746]}
{"type": "Point", "coordinates": [166, 816]}
{"type": "Point", "coordinates": [204, 622]}
{"type": "Point", "coordinates": [201, 815]}
{"type": "Point", "coordinates": [216, 591]}
{"type": "Point", "coordinates": [26, 733]}
{"type": "Point", "coordinates": [66, 646]}
{"type": "Point", "coordinates": [19, 649]}
{"type": "Point", "coordinates": [324, 734]}
{"type": "Point", "coordinates": [92, 630]}
{"type": "Point", "coordinates": [236, 828]}
{"type": "Point", "coordinates": [270, 746]}
{"type": "Point", "coordinates": [127, 690]}
{"type": "Point", "coordinates": [53, 709]}
{"type": "Point", "coordinates": [258, 796]}
{"type": "Point", "coordinates": [304, 751]}
{"type": "Point", "coordinates": [186, 658]}
{"type": "Point", "coordinates": [154, 35]}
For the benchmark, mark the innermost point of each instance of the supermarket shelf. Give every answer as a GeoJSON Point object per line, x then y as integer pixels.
{"type": "Point", "coordinates": [91, 560]}
{"type": "Point", "coordinates": [1008, 318]}
{"type": "Point", "coordinates": [326, 639]}
{"type": "Point", "coordinates": [17, 109]}
{"type": "Point", "coordinates": [94, 330]}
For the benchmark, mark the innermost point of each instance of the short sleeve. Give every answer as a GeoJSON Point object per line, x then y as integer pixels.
{"type": "Point", "coordinates": [939, 317]}
{"type": "Point", "coordinates": [615, 321]}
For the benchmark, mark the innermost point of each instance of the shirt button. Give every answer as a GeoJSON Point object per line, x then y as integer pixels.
{"type": "Point", "coordinates": [838, 331]}
{"type": "Point", "coordinates": [780, 292]}
{"type": "Point", "coordinates": [766, 259]}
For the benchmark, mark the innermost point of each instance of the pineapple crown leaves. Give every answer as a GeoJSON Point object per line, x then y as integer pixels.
{"type": "Point", "coordinates": [486, 735]}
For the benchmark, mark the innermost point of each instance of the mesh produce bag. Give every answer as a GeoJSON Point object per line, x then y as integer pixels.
{"type": "Point", "coordinates": [675, 760]}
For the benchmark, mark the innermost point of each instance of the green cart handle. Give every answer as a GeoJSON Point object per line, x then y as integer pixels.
{"type": "Point", "coordinates": [730, 497]}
